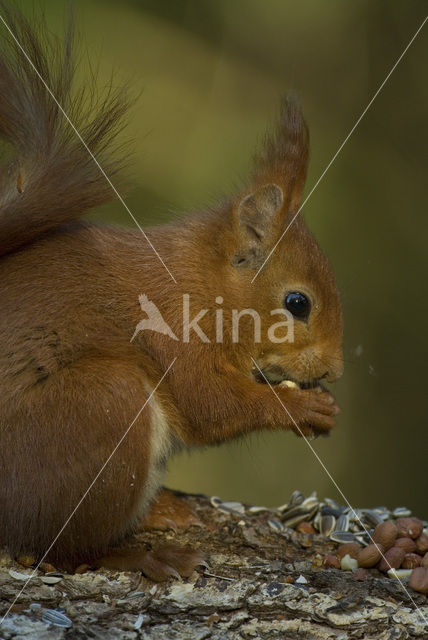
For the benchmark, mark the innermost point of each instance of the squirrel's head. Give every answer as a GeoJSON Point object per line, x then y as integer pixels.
{"type": "Point", "coordinates": [279, 269]}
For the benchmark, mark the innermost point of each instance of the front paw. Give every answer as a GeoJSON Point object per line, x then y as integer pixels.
{"type": "Point", "coordinates": [165, 562]}
{"type": "Point", "coordinates": [169, 511]}
{"type": "Point", "coordinates": [312, 411]}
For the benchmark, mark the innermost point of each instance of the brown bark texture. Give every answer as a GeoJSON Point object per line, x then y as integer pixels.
{"type": "Point", "coordinates": [260, 584]}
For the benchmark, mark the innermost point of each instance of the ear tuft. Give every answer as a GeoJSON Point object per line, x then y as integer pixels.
{"type": "Point", "coordinates": [283, 156]}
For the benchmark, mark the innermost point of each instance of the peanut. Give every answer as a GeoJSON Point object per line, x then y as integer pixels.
{"type": "Point", "coordinates": [392, 559]}
{"type": "Point", "coordinates": [419, 579]}
{"type": "Point", "coordinates": [385, 534]}
{"type": "Point", "coordinates": [411, 561]}
{"type": "Point", "coordinates": [409, 527]}
{"type": "Point", "coordinates": [370, 555]}
{"type": "Point", "coordinates": [349, 548]}
{"type": "Point", "coordinates": [407, 544]}
{"type": "Point", "coordinates": [422, 543]}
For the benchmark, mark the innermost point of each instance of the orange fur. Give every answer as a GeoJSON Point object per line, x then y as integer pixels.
{"type": "Point", "coordinates": [72, 382]}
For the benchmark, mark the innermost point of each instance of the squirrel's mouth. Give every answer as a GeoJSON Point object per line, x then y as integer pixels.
{"type": "Point", "coordinates": [275, 375]}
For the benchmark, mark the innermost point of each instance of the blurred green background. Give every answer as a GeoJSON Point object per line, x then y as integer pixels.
{"type": "Point", "coordinates": [211, 73]}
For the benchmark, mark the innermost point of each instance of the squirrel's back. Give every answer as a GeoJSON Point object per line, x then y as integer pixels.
{"type": "Point", "coordinates": [49, 176]}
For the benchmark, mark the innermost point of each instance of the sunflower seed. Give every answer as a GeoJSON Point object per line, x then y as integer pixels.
{"type": "Point", "coordinates": [290, 512]}
{"type": "Point", "coordinates": [342, 536]}
{"type": "Point", "coordinates": [327, 525]}
{"type": "Point", "coordinates": [304, 510]}
{"type": "Point", "coordinates": [362, 539]}
{"type": "Point", "coordinates": [343, 522]}
{"type": "Point", "coordinates": [372, 517]}
{"type": "Point", "coordinates": [276, 525]}
{"type": "Point", "coordinates": [355, 515]}
{"type": "Point", "coordinates": [296, 498]}
{"type": "Point", "coordinates": [382, 512]}
{"type": "Point", "coordinates": [51, 579]}
{"type": "Point", "coordinates": [56, 618]}
{"type": "Point", "coordinates": [298, 514]}
{"type": "Point", "coordinates": [317, 520]}
{"type": "Point", "coordinates": [281, 508]}
{"type": "Point", "coordinates": [401, 512]}
{"type": "Point", "coordinates": [312, 512]}
{"type": "Point", "coordinates": [257, 509]}
{"type": "Point", "coordinates": [231, 507]}
{"type": "Point", "coordinates": [227, 507]}
{"type": "Point", "coordinates": [294, 520]}
{"type": "Point", "coordinates": [310, 502]}
{"type": "Point", "coordinates": [332, 503]}
{"type": "Point", "coordinates": [17, 575]}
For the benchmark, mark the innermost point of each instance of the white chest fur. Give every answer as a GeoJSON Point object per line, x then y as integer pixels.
{"type": "Point", "coordinates": [163, 445]}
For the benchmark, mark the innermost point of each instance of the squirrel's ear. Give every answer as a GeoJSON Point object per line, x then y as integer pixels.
{"type": "Point", "coordinates": [256, 212]}
{"type": "Point", "coordinates": [258, 217]}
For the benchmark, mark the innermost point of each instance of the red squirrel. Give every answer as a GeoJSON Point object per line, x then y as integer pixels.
{"type": "Point", "coordinates": [75, 371]}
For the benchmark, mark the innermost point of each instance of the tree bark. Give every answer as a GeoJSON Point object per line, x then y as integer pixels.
{"type": "Point", "coordinates": [260, 584]}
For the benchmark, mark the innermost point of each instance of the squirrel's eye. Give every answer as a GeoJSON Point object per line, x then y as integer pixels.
{"type": "Point", "coordinates": [298, 304]}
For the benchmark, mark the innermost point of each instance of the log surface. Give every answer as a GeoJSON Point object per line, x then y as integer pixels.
{"type": "Point", "coordinates": [260, 584]}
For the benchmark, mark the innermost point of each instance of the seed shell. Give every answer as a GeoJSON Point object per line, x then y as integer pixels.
{"type": "Point", "coordinates": [17, 575]}
{"type": "Point", "coordinates": [327, 525]}
{"type": "Point", "coordinates": [401, 512]}
{"type": "Point", "coordinates": [343, 522]}
{"type": "Point", "coordinates": [372, 517]}
{"type": "Point", "coordinates": [257, 509]}
{"type": "Point", "coordinates": [51, 579]}
{"type": "Point", "coordinates": [56, 618]}
{"type": "Point", "coordinates": [231, 507]}
{"type": "Point", "coordinates": [276, 525]}
{"type": "Point", "coordinates": [342, 536]}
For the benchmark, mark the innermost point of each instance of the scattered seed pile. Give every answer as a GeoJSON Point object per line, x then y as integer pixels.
{"type": "Point", "coordinates": [390, 541]}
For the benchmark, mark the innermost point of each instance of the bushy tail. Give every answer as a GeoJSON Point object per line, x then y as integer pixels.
{"type": "Point", "coordinates": [48, 177]}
